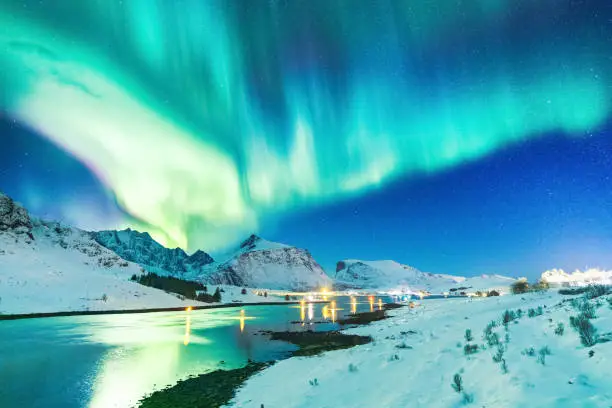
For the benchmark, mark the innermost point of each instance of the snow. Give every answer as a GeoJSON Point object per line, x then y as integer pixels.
{"type": "Point", "coordinates": [63, 269]}
{"type": "Point", "coordinates": [578, 278]}
{"type": "Point", "coordinates": [422, 376]}
{"type": "Point", "coordinates": [393, 276]}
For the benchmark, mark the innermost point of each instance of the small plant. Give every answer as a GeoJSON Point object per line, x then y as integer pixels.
{"type": "Point", "coordinates": [519, 314]}
{"type": "Point", "coordinates": [507, 337]}
{"type": "Point", "coordinates": [504, 366]}
{"type": "Point", "coordinates": [587, 309]}
{"type": "Point", "coordinates": [313, 382]}
{"type": "Point", "coordinates": [560, 329]}
{"type": "Point", "coordinates": [470, 349]}
{"type": "Point", "coordinates": [468, 335]}
{"type": "Point", "coordinates": [492, 293]}
{"type": "Point", "coordinates": [508, 316]}
{"type": "Point", "coordinates": [287, 298]}
{"type": "Point", "coordinates": [542, 353]}
{"type": "Point", "coordinates": [595, 291]}
{"type": "Point", "coordinates": [591, 353]}
{"type": "Point", "coordinates": [585, 329]}
{"type": "Point", "coordinates": [243, 291]}
{"type": "Point", "coordinates": [499, 355]}
{"type": "Point", "coordinates": [529, 352]}
{"type": "Point", "coordinates": [352, 368]}
{"type": "Point", "coordinates": [394, 357]}
{"type": "Point", "coordinates": [403, 345]}
{"type": "Point", "coordinates": [104, 298]}
{"type": "Point", "coordinates": [457, 383]}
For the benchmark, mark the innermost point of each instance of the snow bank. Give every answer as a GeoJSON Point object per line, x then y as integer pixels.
{"type": "Point", "coordinates": [420, 375]}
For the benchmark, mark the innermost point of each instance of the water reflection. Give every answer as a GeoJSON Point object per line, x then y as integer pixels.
{"type": "Point", "coordinates": [371, 300]}
{"type": "Point", "coordinates": [114, 360]}
{"type": "Point", "coordinates": [380, 304]}
{"type": "Point", "coordinates": [187, 327]}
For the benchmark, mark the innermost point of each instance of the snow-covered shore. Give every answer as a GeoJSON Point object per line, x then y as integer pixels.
{"type": "Point", "coordinates": [421, 373]}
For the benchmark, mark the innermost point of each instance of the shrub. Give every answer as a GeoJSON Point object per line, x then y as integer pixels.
{"type": "Point", "coordinates": [243, 291]}
{"type": "Point", "coordinates": [352, 368]}
{"type": "Point", "coordinates": [585, 329]}
{"type": "Point", "coordinates": [520, 286]}
{"type": "Point", "coordinates": [542, 353]}
{"type": "Point", "coordinates": [287, 298]}
{"type": "Point", "coordinates": [499, 355]}
{"type": "Point", "coordinates": [560, 329]}
{"type": "Point", "coordinates": [595, 291]}
{"type": "Point", "coordinates": [468, 335]}
{"type": "Point", "coordinates": [492, 339]}
{"type": "Point", "coordinates": [104, 298]}
{"type": "Point", "coordinates": [519, 313]}
{"type": "Point", "coordinates": [529, 352]}
{"type": "Point", "coordinates": [457, 383]}
{"type": "Point", "coordinates": [492, 293]}
{"type": "Point", "coordinates": [587, 309]}
{"type": "Point", "coordinates": [504, 366]}
{"type": "Point", "coordinates": [470, 349]}
{"type": "Point", "coordinates": [265, 294]}
{"type": "Point", "coordinates": [508, 316]}
{"type": "Point", "coordinates": [572, 291]}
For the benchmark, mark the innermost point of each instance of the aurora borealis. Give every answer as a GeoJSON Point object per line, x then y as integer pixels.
{"type": "Point", "coordinates": [208, 120]}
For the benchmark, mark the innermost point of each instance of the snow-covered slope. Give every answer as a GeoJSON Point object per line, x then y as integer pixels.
{"type": "Point", "coordinates": [49, 267]}
{"type": "Point", "coordinates": [417, 352]}
{"type": "Point", "coordinates": [577, 278]}
{"type": "Point", "coordinates": [140, 248]}
{"type": "Point", "coordinates": [353, 273]}
{"type": "Point", "coordinates": [264, 264]}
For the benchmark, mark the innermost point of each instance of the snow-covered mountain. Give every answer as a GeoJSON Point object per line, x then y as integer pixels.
{"type": "Point", "coordinates": [50, 267]}
{"type": "Point", "coordinates": [352, 273]}
{"type": "Point", "coordinates": [577, 278]}
{"type": "Point", "coordinates": [265, 264]}
{"type": "Point", "coordinates": [140, 248]}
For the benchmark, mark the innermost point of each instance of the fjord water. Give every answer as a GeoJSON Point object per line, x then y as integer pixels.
{"type": "Point", "coordinates": [109, 361]}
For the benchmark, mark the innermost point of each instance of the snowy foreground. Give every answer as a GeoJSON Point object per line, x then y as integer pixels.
{"type": "Point", "coordinates": [380, 374]}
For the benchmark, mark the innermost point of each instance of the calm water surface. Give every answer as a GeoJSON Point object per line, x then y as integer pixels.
{"type": "Point", "coordinates": [110, 361]}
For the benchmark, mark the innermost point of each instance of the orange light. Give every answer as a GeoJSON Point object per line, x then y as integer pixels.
{"type": "Point", "coordinates": [189, 309]}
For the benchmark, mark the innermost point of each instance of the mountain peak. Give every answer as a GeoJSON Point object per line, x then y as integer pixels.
{"type": "Point", "coordinates": [250, 242]}
{"type": "Point", "coordinates": [13, 216]}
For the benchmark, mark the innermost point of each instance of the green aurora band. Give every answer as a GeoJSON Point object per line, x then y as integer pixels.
{"type": "Point", "coordinates": [203, 118]}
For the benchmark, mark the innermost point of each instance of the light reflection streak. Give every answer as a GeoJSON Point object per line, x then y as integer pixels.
{"type": "Point", "coordinates": [242, 320]}
{"type": "Point", "coordinates": [310, 312]}
{"type": "Point", "coordinates": [187, 327]}
{"type": "Point", "coordinates": [353, 305]}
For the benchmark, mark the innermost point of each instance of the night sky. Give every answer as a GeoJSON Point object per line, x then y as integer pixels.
{"type": "Point", "coordinates": [466, 137]}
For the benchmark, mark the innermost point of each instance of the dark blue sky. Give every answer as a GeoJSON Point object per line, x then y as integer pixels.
{"type": "Point", "coordinates": [531, 207]}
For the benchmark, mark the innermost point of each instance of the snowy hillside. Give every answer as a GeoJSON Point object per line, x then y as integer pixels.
{"type": "Point", "coordinates": [537, 360]}
{"type": "Point", "coordinates": [140, 248]}
{"type": "Point", "coordinates": [49, 267]}
{"type": "Point", "coordinates": [391, 275]}
{"type": "Point", "coordinates": [264, 264]}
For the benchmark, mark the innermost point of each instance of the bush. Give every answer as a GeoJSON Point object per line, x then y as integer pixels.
{"type": "Point", "coordinates": [287, 298]}
{"type": "Point", "coordinates": [572, 291]}
{"type": "Point", "coordinates": [492, 293]}
{"type": "Point", "coordinates": [468, 335]}
{"type": "Point", "coordinates": [520, 286]}
{"type": "Point", "coordinates": [529, 352]}
{"type": "Point", "coordinates": [542, 353]}
{"type": "Point", "coordinates": [499, 355]}
{"type": "Point", "coordinates": [595, 291]}
{"type": "Point", "coordinates": [585, 329]}
{"type": "Point", "coordinates": [457, 383]}
{"type": "Point", "coordinates": [508, 316]}
{"type": "Point", "coordinates": [470, 349]}
{"type": "Point", "coordinates": [535, 312]}
{"type": "Point", "coordinates": [560, 329]}
{"type": "Point", "coordinates": [243, 291]}
{"type": "Point", "coordinates": [587, 309]}
{"type": "Point", "coordinates": [104, 298]}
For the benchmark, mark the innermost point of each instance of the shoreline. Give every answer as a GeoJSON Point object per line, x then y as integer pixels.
{"type": "Point", "coordinates": [21, 316]}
